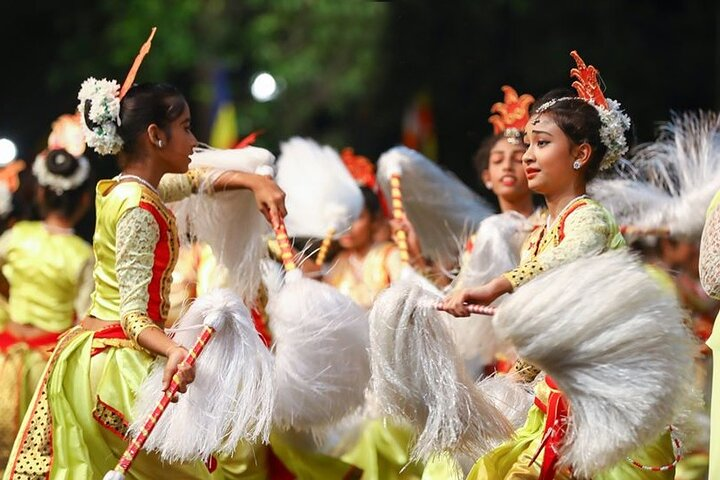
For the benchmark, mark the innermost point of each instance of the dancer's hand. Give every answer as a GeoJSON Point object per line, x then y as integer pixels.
{"type": "Point", "coordinates": [175, 365]}
{"type": "Point", "coordinates": [270, 199]}
{"type": "Point", "coordinates": [456, 302]}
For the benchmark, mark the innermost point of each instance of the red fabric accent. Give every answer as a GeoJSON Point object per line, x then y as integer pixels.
{"type": "Point", "coordinates": [249, 140]}
{"type": "Point", "coordinates": [113, 331]}
{"type": "Point", "coordinates": [211, 463]}
{"type": "Point", "coordinates": [162, 259]}
{"type": "Point", "coordinates": [277, 469]}
{"type": "Point", "coordinates": [470, 244]}
{"type": "Point", "coordinates": [561, 228]}
{"type": "Point", "coordinates": [260, 326]}
{"type": "Point", "coordinates": [42, 342]}
{"type": "Point", "coordinates": [555, 428]}
{"type": "Point", "coordinates": [109, 428]}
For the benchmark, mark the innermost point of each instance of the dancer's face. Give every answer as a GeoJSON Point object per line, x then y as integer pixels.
{"type": "Point", "coordinates": [505, 174]}
{"type": "Point", "coordinates": [361, 232]}
{"type": "Point", "coordinates": [178, 143]}
{"type": "Point", "coordinates": [550, 155]}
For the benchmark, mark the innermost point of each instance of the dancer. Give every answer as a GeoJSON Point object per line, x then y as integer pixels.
{"type": "Point", "coordinates": [81, 409]}
{"type": "Point", "coordinates": [570, 138]}
{"type": "Point", "coordinates": [49, 273]}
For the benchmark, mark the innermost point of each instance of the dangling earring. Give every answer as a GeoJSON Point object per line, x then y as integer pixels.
{"type": "Point", "coordinates": [488, 185]}
{"type": "Point", "coordinates": [577, 165]}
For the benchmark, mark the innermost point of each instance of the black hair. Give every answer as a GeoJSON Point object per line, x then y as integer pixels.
{"type": "Point", "coordinates": [147, 104]}
{"type": "Point", "coordinates": [65, 202]}
{"type": "Point", "coordinates": [580, 121]}
{"type": "Point", "coordinates": [371, 201]}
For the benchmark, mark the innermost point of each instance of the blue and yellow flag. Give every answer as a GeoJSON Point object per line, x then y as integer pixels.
{"type": "Point", "coordinates": [223, 126]}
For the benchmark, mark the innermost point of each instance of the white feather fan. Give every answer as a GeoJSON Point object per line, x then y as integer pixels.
{"type": "Point", "coordinates": [321, 193]}
{"type": "Point", "coordinates": [496, 250]}
{"type": "Point", "coordinates": [672, 180]}
{"type": "Point", "coordinates": [440, 207]}
{"type": "Point", "coordinates": [232, 397]}
{"type": "Point", "coordinates": [615, 343]}
{"type": "Point", "coordinates": [228, 221]}
{"type": "Point", "coordinates": [416, 374]}
{"type": "Point", "coordinates": [320, 341]}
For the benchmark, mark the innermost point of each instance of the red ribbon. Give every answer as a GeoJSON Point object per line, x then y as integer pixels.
{"type": "Point", "coordinates": [40, 342]}
{"type": "Point", "coordinates": [556, 413]}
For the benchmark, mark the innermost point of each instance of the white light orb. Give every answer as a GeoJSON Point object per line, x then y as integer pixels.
{"type": "Point", "coordinates": [8, 151]}
{"type": "Point", "coordinates": [264, 87]}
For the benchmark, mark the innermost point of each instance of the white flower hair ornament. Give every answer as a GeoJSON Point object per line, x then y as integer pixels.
{"type": "Point", "coordinates": [100, 112]}
{"type": "Point", "coordinates": [99, 106]}
{"type": "Point", "coordinates": [58, 183]}
{"type": "Point", "coordinates": [614, 122]}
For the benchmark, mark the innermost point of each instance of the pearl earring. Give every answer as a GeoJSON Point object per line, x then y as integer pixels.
{"type": "Point", "coordinates": [577, 165]}
{"type": "Point", "coordinates": [160, 144]}
{"type": "Point", "coordinates": [488, 185]}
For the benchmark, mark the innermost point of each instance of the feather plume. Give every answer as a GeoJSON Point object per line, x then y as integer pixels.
{"type": "Point", "coordinates": [615, 343]}
{"type": "Point", "coordinates": [417, 375]}
{"type": "Point", "coordinates": [228, 221]}
{"type": "Point", "coordinates": [321, 353]}
{"type": "Point", "coordinates": [672, 180]}
{"type": "Point", "coordinates": [232, 396]}
{"type": "Point", "coordinates": [440, 207]}
{"type": "Point", "coordinates": [496, 249]}
{"type": "Point", "coordinates": [321, 193]}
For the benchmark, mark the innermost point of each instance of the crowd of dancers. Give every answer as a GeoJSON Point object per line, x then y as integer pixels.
{"type": "Point", "coordinates": [323, 316]}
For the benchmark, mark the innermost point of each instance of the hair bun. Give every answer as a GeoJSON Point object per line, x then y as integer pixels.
{"type": "Point", "coordinates": [61, 162]}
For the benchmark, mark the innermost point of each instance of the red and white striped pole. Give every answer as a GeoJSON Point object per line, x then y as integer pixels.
{"type": "Point", "coordinates": [133, 449]}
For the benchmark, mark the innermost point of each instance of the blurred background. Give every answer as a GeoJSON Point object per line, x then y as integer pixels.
{"type": "Point", "coordinates": [356, 73]}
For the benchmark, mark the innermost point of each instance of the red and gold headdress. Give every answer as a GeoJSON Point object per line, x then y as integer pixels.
{"type": "Point", "coordinates": [511, 115]}
{"type": "Point", "coordinates": [363, 171]}
{"type": "Point", "coordinates": [614, 121]}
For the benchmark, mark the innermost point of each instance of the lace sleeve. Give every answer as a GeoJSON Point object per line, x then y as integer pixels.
{"type": "Point", "coordinates": [174, 187]}
{"type": "Point", "coordinates": [137, 235]}
{"type": "Point", "coordinates": [586, 232]}
{"type": "Point", "coordinates": [710, 254]}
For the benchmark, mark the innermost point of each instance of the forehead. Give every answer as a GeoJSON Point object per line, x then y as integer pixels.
{"type": "Point", "coordinates": [540, 122]}
{"type": "Point", "coordinates": [185, 115]}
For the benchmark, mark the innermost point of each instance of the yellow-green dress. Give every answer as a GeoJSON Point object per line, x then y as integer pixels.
{"type": "Point", "coordinates": [710, 273]}
{"type": "Point", "coordinates": [583, 228]}
{"type": "Point", "coordinates": [80, 412]}
{"type": "Point", "coordinates": [48, 274]}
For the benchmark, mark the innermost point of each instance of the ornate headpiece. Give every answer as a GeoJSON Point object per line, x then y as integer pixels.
{"type": "Point", "coordinates": [511, 115]}
{"type": "Point", "coordinates": [58, 183]}
{"type": "Point", "coordinates": [363, 171]}
{"type": "Point", "coordinates": [361, 168]}
{"type": "Point", "coordinates": [614, 121]}
{"type": "Point", "coordinates": [100, 106]}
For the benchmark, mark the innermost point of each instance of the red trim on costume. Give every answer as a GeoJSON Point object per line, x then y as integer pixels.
{"type": "Point", "coordinates": [556, 412]}
{"type": "Point", "coordinates": [260, 327]}
{"type": "Point", "coordinates": [42, 342]}
{"type": "Point", "coordinates": [113, 331]}
{"type": "Point", "coordinates": [109, 427]}
{"type": "Point", "coordinates": [561, 228]}
{"type": "Point", "coordinates": [160, 264]}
